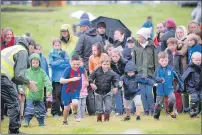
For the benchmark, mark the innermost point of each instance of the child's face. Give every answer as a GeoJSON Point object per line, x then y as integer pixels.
{"type": "Point", "coordinates": [109, 51]}
{"type": "Point", "coordinates": [75, 64]}
{"type": "Point", "coordinates": [180, 33]}
{"type": "Point", "coordinates": [35, 63]}
{"type": "Point", "coordinates": [196, 60]}
{"type": "Point", "coordinates": [38, 49]}
{"type": "Point", "coordinates": [31, 49]}
{"type": "Point", "coordinates": [57, 46]}
{"type": "Point", "coordinates": [163, 62]}
{"type": "Point", "coordinates": [193, 27]}
{"type": "Point", "coordinates": [105, 66]}
{"type": "Point", "coordinates": [131, 44]}
{"type": "Point", "coordinates": [130, 73]}
{"type": "Point", "coordinates": [172, 47]}
{"type": "Point", "coordinates": [94, 51]}
{"type": "Point", "coordinates": [190, 42]}
{"type": "Point", "coordinates": [115, 57]}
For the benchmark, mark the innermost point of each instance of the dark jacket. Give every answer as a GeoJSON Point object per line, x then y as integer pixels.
{"type": "Point", "coordinates": [163, 41]}
{"type": "Point", "coordinates": [118, 43]}
{"type": "Point", "coordinates": [105, 37]}
{"type": "Point", "coordinates": [130, 83]}
{"type": "Point", "coordinates": [192, 49]}
{"type": "Point", "coordinates": [175, 61]}
{"type": "Point", "coordinates": [120, 66]}
{"type": "Point", "coordinates": [103, 81]}
{"type": "Point", "coordinates": [127, 53]}
{"type": "Point", "coordinates": [167, 74]}
{"type": "Point", "coordinates": [145, 58]}
{"type": "Point", "coordinates": [84, 45]}
{"type": "Point", "coordinates": [192, 78]}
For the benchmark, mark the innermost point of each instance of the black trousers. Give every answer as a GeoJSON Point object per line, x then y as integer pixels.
{"type": "Point", "coordinates": [9, 97]}
{"type": "Point", "coordinates": [56, 93]}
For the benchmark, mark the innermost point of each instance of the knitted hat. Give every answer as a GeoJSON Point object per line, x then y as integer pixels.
{"type": "Point", "coordinates": [144, 32]}
{"type": "Point", "coordinates": [170, 23]}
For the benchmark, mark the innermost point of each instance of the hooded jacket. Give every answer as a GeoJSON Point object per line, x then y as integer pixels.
{"type": "Point", "coordinates": [130, 83]}
{"type": "Point", "coordinates": [192, 78]}
{"type": "Point", "coordinates": [185, 33]}
{"type": "Point", "coordinates": [40, 77]}
{"type": "Point", "coordinates": [192, 49]}
{"type": "Point", "coordinates": [85, 42]}
{"type": "Point", "coordinates": [58, 61]}
{"type": "Point", "coordinates": [44, 64]}
{"type": "Point", "coordinates": [68, 44]}
{"type": "Point", "coordinates": [163, 40]}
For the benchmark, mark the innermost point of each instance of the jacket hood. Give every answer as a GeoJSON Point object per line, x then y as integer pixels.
{"type": "Point", "coordinates": [184, 30]}
{"type": "Point", "coordinates": [68, 28]}
{"type": "Point", "coordinates": [196, 67]}
{"type": "Point", "coordinates": [91, 32]}
{"type": "Point", "coordinates": [22, 41]}
{"type": "Point", "coordinates": [130, 67]}
{"type": "Point", "coordinates": [35, 55]}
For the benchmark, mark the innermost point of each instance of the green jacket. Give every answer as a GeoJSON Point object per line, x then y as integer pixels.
{"type": "Point", "coordinates": [69, 44]}
{"type": "Point", "coordinates": [145, 59]}
{"type": "Point", "coordinates": [40, 77]}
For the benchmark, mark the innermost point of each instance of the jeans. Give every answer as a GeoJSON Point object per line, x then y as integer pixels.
{"type": "Point", "coordinates": [82, 107]}
{"type": "Point", "coordinates": [103, 103]}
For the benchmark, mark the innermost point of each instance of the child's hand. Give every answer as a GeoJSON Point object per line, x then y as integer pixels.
{"type": "Point", "coordinates": [93, 86]}
{"type": "Point", "coordinates": [49, 93]}
{"type": "Point", "coordinates": [156, 84]}
{"type": "Point", "coordinates": [115, 90]}
{"type": "Point", "coordinates": [121, 83]}
{"type": "Point", "coordinates": [21, 91]}
{"type": "Point", "coordinates": [86, 83]}
{"type": "Point", "coordinates": [75, 79]}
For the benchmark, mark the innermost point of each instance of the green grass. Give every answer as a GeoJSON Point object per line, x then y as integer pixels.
{"type": "Point", "coordinates": [45, 25]}
{"type": "Point", "coordinates": [166, 125]}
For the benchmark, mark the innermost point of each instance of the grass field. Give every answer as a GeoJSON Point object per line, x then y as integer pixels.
{"type": "Point", "coordinates": [166, 125]}
{"type": "Point", "coordinates": [45, 25]}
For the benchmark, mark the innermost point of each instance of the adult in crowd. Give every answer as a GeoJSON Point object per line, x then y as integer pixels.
{"type": "Point", "coordinates": [7, 38]}
{"type": "Point", "coordinates": [86, 40]}
{"type": "Point", "coordinates": [193, 27]}
{"type": "Point", "coordinates": [148, 24]}
{"type": "Point", "coordinates": [68, 39]}
{"type": "Point", "coordinates": [119, 39]}
{"type": "Point", "coordinates": [170, 32]}
{"type": "Point", "coordinates": [13, 65]}
{"type": "Point", "coordinates": [159, 27]}
{"type": "Point", "coordinates": [101, 28]}
{"type": "Point", "coordinates": [145, 57]}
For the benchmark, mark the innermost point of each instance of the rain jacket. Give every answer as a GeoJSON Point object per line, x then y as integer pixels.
{"type": "Point", "coordinates": [130, 83]}
{"type": "Point", "coordinates": [58, 61]}
{"type": "Point", "coordinates": [69, 44]}
{"type": "Point", "coordinates": [40, 77]}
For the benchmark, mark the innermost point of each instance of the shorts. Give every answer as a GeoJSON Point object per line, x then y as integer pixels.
{"type": "Point", "coordinates": [129, 103]}
{"type": "Point", "coordinates": [68, 98]}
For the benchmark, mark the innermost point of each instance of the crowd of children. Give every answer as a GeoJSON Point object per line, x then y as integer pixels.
{"type": "Point", "coordinates": [143, 72]}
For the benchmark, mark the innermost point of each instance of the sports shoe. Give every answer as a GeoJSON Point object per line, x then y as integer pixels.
{"type": "Point", "coordinates": [65, 123]}
{"type": "Point", "coordinates": [138, 118]}
{"type": "Point", "coordinates": [56, 116]}
{"type": "Point", "coordinates": [77, 118]}
{"type": "Point", "coordinates": [117, 114]}
{"type": "Point", "coordinates": [26, 124]}
{"type": "Point", "coordinates": [126, 118]}
{"type": "Point", "coordinates": [173, 115]}
{"type": "Point", "coordinates": [41, 124]}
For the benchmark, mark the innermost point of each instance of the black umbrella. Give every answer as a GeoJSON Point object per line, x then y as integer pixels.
{"type": "Point", "coordinates": [111, 25]}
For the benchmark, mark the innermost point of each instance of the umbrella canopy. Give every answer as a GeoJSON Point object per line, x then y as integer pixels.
{"type": "Point", "coordinates": [111, 25]}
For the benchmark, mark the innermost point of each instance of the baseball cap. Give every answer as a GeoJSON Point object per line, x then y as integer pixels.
{"type": "Point", "coordinates": [130, 39]}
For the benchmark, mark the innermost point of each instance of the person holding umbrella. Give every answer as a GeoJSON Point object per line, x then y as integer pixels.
{"type": "Point", "coordinates": [101, 28]}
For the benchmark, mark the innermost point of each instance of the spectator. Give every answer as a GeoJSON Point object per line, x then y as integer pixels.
{"type": "Point", "coordinates": [85, 42]}
{"type": "Point", "coordinates": [8, 38]}
{"type": "Point", "coordinates": [119, 39]}
{"type": "Point", "coordinates": [101, 28]}
{"type": "Point", "coordinates": [68, 39]}
{"type": "Point", "coordinates": [171, 28]}
{"type": "Point", "coordinates": [159, 27]}
{"type": "Point", "coordinates": [127, 51]}
{"type": "Point", "coordinates": [192, 27]}
{"type": "Point", "coordinates": [148, 24]}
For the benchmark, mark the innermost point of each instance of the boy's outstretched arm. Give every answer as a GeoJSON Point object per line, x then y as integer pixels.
{"type": "Point", "coordinates": [91, 80]}
{"type": "Point", "coordinates": [179, 79]}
